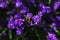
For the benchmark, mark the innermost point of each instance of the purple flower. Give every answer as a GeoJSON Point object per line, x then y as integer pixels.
{"type": "Point", "coordinates": [58, 17]}
{"type": "Point", "coordinates": [29, 15]}
{"type": "Point", "coordinates": [31, 23]}
{"type": "Point", "coordinates": [10, 19]}
{"type": "Point", "coordinates": [54, 25]}
{"type": "Point", "coordinates": [56, 5]}
{"type": "Point", "coordinates": [48, 9]}
{"type": "Point", "coordinates": [23, 11]}
{"type": "Point", "coordinates": [17, 16]}
{"type": "Point", "coordinates": [18, 31]}
{"type": "Point", "coordinates": [9, 12]}
{"type": "Point", "coordinates": [19, 21]}
{"type": "Point", "coordinates": [18, 3]}
{"type": "Point", "coordinates": [42, 5]}
{"type": "Point", "coordinates": [21, 26]}
{"type": "Point", "coordinates": [3, 5]}
{"type": "Point", "coordinates": [31, 2]}
{"type": "Point", "coordinates": [43, 10]}
{"type": "Point", "coordinates": [40, 14]}
{"type": "Point", "coordinates": [11, 26]}
{"type": "Point", "coordinates": [52, 36]}
{"type": "Point", "coordinates": [15, 21]}
{"type": "Point", "coordinates": [36, 19]}
{"type": "Point", "coordinates": [23, 7]}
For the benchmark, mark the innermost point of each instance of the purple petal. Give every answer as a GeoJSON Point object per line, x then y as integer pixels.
{"type": "Point", "coordinates": [11, 26]}
{"type": "Point", "coordinates": [56, 5]}
{"type": "Point", "coordinates": [36, 19]}
{"type": "Point", "coordinates": [18, 32]}
{"type": "Point", "coordinates": [52, 36]}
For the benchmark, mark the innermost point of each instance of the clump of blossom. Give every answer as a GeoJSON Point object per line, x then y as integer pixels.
{"type": "Point", "coordinates": [16, 22]}
{"type": "Point", "coordinates": [51, 36]}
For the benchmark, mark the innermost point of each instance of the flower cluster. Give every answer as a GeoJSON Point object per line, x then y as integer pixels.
{"type": "Point", "coordinates": [22, 13]}
{"type": "Point", "coordinates": [52, 36]}
{"type": "Point", "coordinates": [3, 4]}
{"type": "Point", "coordinates": [16, 22]}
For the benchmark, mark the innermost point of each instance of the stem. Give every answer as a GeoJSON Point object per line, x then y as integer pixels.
{"type": "Point", "coordinates": [3, 31]}
{"type": "Point", "coordinates": [37, 34]}
{"type": "Point", "coordinates": [17, 38]}
{"type": "Point", "coordinates": [49, 2]}
{"type": "Point", "coordinates": [57, 32]}
{"type": "Point", "coordinates": [10, 34]}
